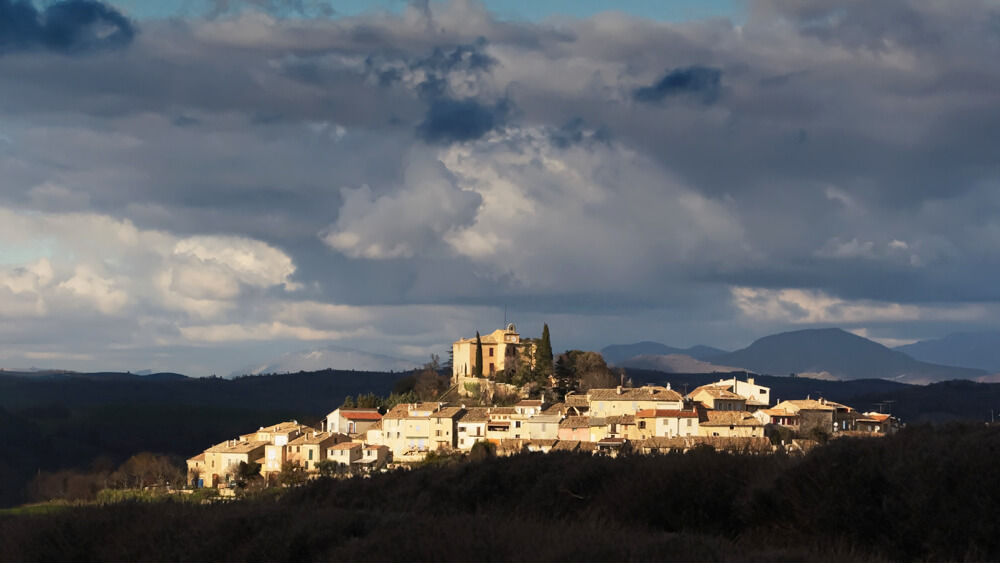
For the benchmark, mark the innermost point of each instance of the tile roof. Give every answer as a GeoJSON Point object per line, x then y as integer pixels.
{"type": "Point", "coordinates": [717, 392]}
{"type": "Point", "coordinates": [474, 414]}
{"type": "Point", "coordinates": [282, 427]}
{"type": "Point", "coordinates": [199, 457]}
{"type": "Point", "coordinates": [398, 412]}
{"type": "Point", "coordinates": [447, 412]}
{"type": "Point", "coordinates": [620, 419]}
{"type": "Point", "coordinates": [665, 413]}
{"type": "Point", "coordinates": [241, 447]}
{"type": "Point", "coordinates": [779, 412]}
{"type": "Point", "coordinates": [730, 418]}
{"type": "Point", "coordinates": [566, 446]}
{"type": "Point", "coordinates": [529, 403]}
{"type": "Point", "coordinates": [345, 446]}
{"type": "Point", "coordinates": [542, 442]}
{"type": "Point", "coordinates": [809, 405]}
{"type": "Point", "coordinates": [554, 408]}
{"type": "Point", "coordinates": [577, 401]}
{"type": "Point", "coordinates": [575, 422]}
{"type": "Point", "coordinates": [636, 394]}
{"type": "Point", "coordinates": [361, 415]}
{"type": "Point", "coordinates": [376, 426]}
{"type": "Point", "coordinates": [313, 438]}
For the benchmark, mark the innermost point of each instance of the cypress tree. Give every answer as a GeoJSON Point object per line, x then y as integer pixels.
{"type": "Point", "coordinates": [543, 353]}
{"type": "Point", "coordinates": [479, 356]}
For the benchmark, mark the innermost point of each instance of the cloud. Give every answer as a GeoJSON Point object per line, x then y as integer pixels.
{"type": "Point", "coordinates": [67, 27]}
{"type": "Point", "coordinates": [450, 121]}
{"type": "Point", "coordinates": [803, 306]}
{"type": "Point", "coordinates": [699, 82]}
{"type": "Point", "coordinates": [618, 175]}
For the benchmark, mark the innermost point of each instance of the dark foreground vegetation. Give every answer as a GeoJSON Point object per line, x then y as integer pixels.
{"type": "Point", "coordinates": [927, 493]}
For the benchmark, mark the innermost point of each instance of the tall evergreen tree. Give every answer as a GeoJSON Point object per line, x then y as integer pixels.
{"type": "Point", "coordinates": [479, 355]}
{"type": "Point", "coordinates": [543, 354]}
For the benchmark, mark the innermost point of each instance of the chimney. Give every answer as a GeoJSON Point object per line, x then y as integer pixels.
{"type": "Point", "coordinates": [750, 380]}
{"type": "Point", "coordinates": [668, 386]}
{"type": "Point", "coordinates": [619, 390]}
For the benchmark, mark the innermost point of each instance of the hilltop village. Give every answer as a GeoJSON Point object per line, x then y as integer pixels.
{"type": "Point", "coordinates": [734, 415]}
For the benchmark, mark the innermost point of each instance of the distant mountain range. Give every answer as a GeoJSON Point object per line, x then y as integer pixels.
{"type": "Point", "coordinates": [673, 363]}
{"type": "Point", "coordinates": [329, 357]}
{"type": "Point", "coordinates": [980, 350]}
{"type": "Point", "coordinates": [829, 353]}
{"type": "Point", "coordinates": [617, 353]}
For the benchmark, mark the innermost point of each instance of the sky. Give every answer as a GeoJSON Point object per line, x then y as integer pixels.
{"type": "Point", "coordinates": [198, 186]}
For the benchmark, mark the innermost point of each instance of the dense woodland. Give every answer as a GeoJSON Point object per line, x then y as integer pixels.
{"type": "Point", "coordinates": [926, 493]}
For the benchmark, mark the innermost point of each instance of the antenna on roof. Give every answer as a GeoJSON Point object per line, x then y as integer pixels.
{"type": "Point", "coordinates": [504, 314]}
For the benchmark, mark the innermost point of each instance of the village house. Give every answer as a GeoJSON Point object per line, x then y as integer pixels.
{"type": "Point", "coordinates": [877, 423]}
{"type": "Point", "coordinates": [373, 458]}
{"type": "Point", "coordinates": [778, 417]}
{"type": "Point", "coordinates": [501, 424]}
{"type": "Point", "coordinates": [500, 347]}
{"type": "Point", "coordinates": [471, 427]}
{"type": "Point", "coordinates": [351, 420]}
{"type": "Point", "coordinates": [608, 402]}
{"type": "Point", "coordinates": [406, 430]}
{"type": "Point", "coordinates": [757, 396]}
{"type": "Point", "coordinates": [311, 448]}
{"type": "Point", "coordinates": [653, 423]}
{"type": "Point", "coordinates": [730, 424]}
{"type": "Point", "coordinates": [443, 429]}
{"type": "Point", "coordinates": [813, 414]}
{"type": "Point", "coordinates": [221, 460]}
{"type": "Point", "coordinates": [543, 426]}
{"type": "Point", "coordinates": [344, 453]}
{"type": "Point", "coordinates": [718, 398]}
{"type": "Point", "coordinates": [576, 405]}
{"type": "Point", "coordinates": [574, 428]}
{"type": "Point", "coordinates": [279, 434]}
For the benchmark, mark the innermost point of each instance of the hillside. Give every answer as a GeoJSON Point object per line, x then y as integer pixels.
{"type": "Point", "coordinates": [978, 350]}
{"type": "Point", "coordinates": [851, 500]}
{"type": "Point", "coordinates": [617, 353]}
{"type": "Point", "coordinates": [842, 354]}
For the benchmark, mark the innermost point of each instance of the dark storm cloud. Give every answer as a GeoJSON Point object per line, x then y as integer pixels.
{"type": "Point", "coordinates": [450, 121]}
{"type": "Point", "coordinates": [699, 82]}
{"type": "Point", "coordinates": [68, 27]}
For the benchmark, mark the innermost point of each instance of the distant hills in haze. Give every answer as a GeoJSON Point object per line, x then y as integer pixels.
{"type": "Point", "coordinates": [980, 350]}
{"type": "Point", "coordinates": [617, 353]}
{"type": "Point", "coordinates": [829, 353]}
{"type": "Point", "coordinates": [328, 357]}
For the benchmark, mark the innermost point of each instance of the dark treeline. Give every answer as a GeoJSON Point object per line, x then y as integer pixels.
{"type": "Point", "coordinates": [80, 427]}
{"type": "Point", "coordinates": [308, 392]}
{"type": "Point", "coordinates": [925, 493]}
{"type": "Point", "coordinates": [958, 400]}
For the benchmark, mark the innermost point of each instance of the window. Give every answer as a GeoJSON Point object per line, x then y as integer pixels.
{"type": "Point", "coordinates": [461, 429]}
{"type": "Point", "coordinates": [642, 425]}
{"type": "Point", "coordinates": [438, 433]}
{"type": "Point", "coordinates": [298, 449]}
{"type": "Point", "coordinates": [517, 424]}
{"type": "Point", "coordinates": [689, 422]}
{"type": "Point", "coordinates": [491, 352]}
{"type": "Point", "coordinates": [310, 455]}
